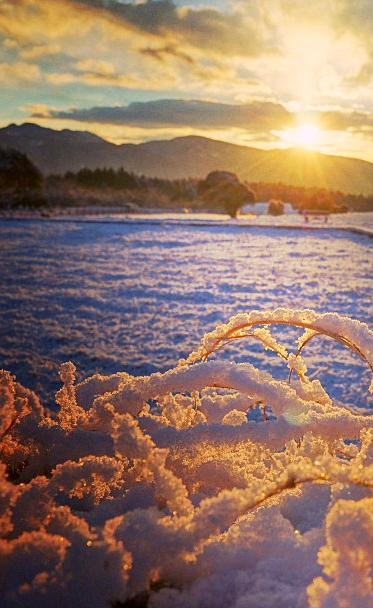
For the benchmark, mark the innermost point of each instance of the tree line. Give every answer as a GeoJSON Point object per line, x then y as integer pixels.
{"type": "Point", "coordinates": [123, 180]}
{"type": "Point", "coordinates": [312, 198]}
{"type": "Point", "coordinates": [22, 184]}
{"type": "Point", "coordinates": [189, 189]}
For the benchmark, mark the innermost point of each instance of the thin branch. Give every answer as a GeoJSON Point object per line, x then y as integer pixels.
{"type": "Point", "coordinates": [225, 341]}
{"type": "Point", "coordinates": [230, 335]}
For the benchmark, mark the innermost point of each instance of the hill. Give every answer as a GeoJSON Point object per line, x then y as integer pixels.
{"type": "Point", "coordinates": [60, 151]}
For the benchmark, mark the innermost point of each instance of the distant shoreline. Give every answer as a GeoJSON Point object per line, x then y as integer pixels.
{"type": "Point", "coordinates": [87, 210]}
{"type": "Point", "coordinates": [294, 221]}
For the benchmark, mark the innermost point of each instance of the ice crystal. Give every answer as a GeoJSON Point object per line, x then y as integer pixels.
{"type": "Point", "coordinates": [210, 485]}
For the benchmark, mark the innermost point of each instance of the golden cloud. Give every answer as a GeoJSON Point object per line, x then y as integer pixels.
{"type": "Point", "coordinates": [60, 78]}
{"type": "Point", "coordinates": [96, 66]}
{"type": "Point", "coordinates": [14, 73]}
{"type": "Point", "coordinates": [40, 50]}
{"type": "Point", "coordinates": [294, 51]}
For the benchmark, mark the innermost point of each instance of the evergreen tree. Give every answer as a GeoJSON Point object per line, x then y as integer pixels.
{"type": "Point", "coordinates": [20, 181]}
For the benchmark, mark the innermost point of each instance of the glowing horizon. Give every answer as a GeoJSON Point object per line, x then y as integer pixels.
{"type": "Point", "coordinates": [243, 73]}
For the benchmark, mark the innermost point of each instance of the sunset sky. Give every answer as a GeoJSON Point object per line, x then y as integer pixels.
{"type": "Point", "coordinates": [262, 73]}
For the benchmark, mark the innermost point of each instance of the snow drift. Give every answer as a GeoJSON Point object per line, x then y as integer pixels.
{"type": "Point", "coordinates": [210, 485]}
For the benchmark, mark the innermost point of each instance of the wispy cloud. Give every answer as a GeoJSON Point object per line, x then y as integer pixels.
{"type": "Point", "coordinates": [96, 66]}
{"type": "Point", "coordinates": [39, 50]}
{"type": "Point", "coordinates": [15, 73]}
{"type": "Point", "coordinates": [164, 52]}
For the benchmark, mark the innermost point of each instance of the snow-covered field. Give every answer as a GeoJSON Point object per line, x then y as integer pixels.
{"type": "Point", "coordinates": [136, 296]}
{"type": "Point", "coordinates": [213, 484]}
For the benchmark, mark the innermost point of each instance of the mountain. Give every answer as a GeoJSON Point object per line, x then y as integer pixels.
{"type": "Point", "coordinates": [57, 151]}
{"type": "Point", "coordinates": [60, 151]}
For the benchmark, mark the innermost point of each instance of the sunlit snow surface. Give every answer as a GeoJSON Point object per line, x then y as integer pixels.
{"type": "Point", "coordinates": [137, 294]}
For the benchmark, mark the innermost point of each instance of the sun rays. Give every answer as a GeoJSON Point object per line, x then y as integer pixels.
{"type": "Point", "coordinates": [306, 135]}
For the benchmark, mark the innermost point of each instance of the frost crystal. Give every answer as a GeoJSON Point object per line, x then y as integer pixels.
{"type": "Point", "coordinates": [210, 485]}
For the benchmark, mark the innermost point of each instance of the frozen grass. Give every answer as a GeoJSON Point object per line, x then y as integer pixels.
{"type": "Point", "coordinates": [164, 490]}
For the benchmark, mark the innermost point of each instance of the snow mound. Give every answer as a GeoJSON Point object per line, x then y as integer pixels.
{"type": "Point", "coordinates": [210, 485]}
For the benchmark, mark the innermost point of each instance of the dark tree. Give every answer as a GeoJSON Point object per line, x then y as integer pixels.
{"type": "Point", "coordinates": [223, 190]}
{"type": "Point", "coordinates": [20, 181]}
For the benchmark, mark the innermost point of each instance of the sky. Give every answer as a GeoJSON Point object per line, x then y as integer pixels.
{"type": "Point", "coordinates": [261, 73]}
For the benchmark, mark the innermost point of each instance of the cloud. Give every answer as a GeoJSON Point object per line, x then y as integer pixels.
{"type": "Point", "coordinates": [96, 66]}
{"type": "Point", "coordinates": [206, 29]}
{"type": "Point", "coordinates": [40, 50]}
{"type": "Point", "coordinates": [356, 17]}
{"type": "Point", "coordinates": [191, 48]}
{"type": "Point", "coordinates": [167, 51]}
{"type": "Point", "coordinates": [353, 121]}
{"type": "Point", "coordinates": [364, 76]}
{"type": "Point", "coordinates": [36, 108]}
{"type": "Point", "coordinates": [256, 117]}
{"type": "Point", "coordinates": [260, 119]}
{"type": "Point", "coordinates": [61, 78]}
{"type": "Point", "coordinates": [15, 73]}
{"type": "Point", "coordinates": [96, 79]}
{"type": "Point", "coordinates": [97, 72]}
{"type": "Point", "coordinates": [209, 29]}
{"type": "Point", "coordinates": [151, 45]}
{"type": "Point", "coordinates": [34, 22]}
{"type": "Point", "coordinates": [99, 52]}
{"type": "Point", "coordinates": [356, 20]}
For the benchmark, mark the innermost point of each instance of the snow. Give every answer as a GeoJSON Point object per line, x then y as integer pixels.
{"type": "Point", "coordinates": [261, 208]}
{"type": "Point", "coordinates": [191, 470]}
{"type": "Point", "coordinates": [136, 295]}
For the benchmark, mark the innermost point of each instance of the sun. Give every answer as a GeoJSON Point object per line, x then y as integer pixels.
{"type": "Point", "coordinates": [305, 135]}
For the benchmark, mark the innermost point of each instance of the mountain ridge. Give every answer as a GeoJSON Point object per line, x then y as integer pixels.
{"type": "Point", "coordinates": [189, 156]}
